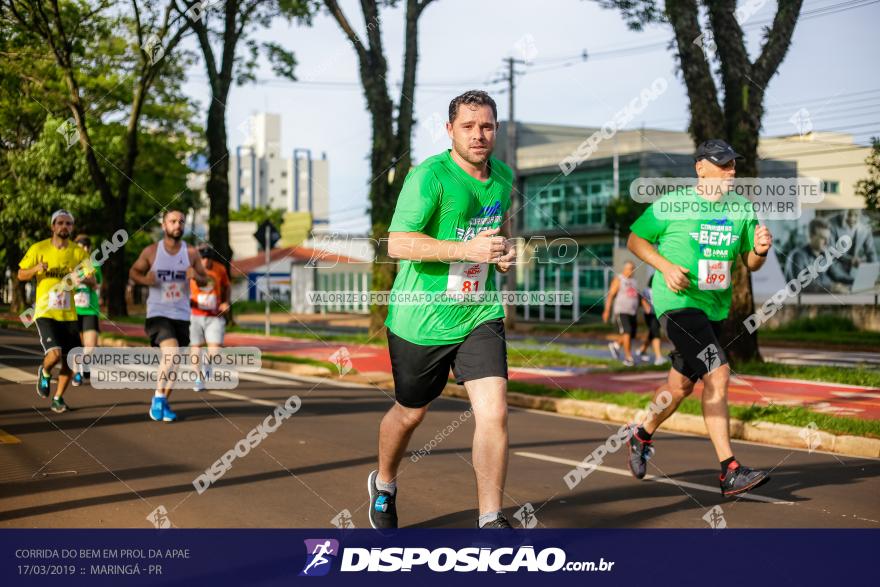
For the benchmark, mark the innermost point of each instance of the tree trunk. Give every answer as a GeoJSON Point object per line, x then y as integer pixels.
{"type": "Point", "coordinates": [218, 179]}
{"type": "Point", "coordinates": [114, 270]}
{"type": "Point", "coordinates": [740, 345]}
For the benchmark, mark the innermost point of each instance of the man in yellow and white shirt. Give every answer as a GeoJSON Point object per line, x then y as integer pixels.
{"type": "Point", "coordinates": [57, 264]}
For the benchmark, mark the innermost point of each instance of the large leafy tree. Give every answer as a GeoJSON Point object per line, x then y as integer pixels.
{"type": "Point", "coordinates": [392, 123]}
{"type": "Point", "coordinates": [223, 29]}
{"type": "Point", "coordinates": [727, 103]}
{"type": "Point", "coordinates": [119, 76]}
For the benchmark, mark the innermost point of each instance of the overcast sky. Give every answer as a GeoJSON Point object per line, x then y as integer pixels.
{"type": "Point", "coordinates": [830, 70]}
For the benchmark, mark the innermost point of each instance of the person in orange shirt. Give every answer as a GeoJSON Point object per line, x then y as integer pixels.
{"type": "Point", "coordinates": [210, 304]}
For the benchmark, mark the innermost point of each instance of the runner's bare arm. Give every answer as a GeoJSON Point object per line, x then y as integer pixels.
{"type": "Point", "coordinates": [508, 259]}
{"type": "Point", "coordinates": [763, 241]}
{"type": "Point", "coordinates": [227, 298]}
{"type": "Point", "coordinates": [612, 293]}
{"type": "Point", "coordinates": [140, 270]}
{"type": "Point", "coordinates": [196, 268]}
{"type": "Point", "coordinates": [89, 281]}
{"type": "Point", "coordinates": [486, 247]}
{"type": "Point", "coordinates": [674, 275]}
{"type": "Point", "coordinates": [28, 274]}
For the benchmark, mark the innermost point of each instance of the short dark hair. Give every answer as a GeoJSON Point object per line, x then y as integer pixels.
{"type": "Point", "coordinates": [472, 97]}
{"type": "Point", "coordinates": [817, 224]}
{"type": "Point", "coordinates": [168, 211]}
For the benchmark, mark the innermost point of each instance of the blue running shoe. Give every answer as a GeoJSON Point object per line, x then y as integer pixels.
{"type": "Point", "coordinates": [167, 414]}
{"type": "Point", "coordinates": [77, 380]}
{"type": "Point", "coordinates": [43, 382]}
{"type": "Point", "coordinates": [157, 409]}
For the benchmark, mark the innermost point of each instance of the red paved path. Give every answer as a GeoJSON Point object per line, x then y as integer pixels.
{"type": "Point", "coordinates": [845, 400]}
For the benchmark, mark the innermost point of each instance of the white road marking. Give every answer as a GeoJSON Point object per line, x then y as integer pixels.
{"type": "Point", "coordinates": [22, 349]}
{"type": "Point", "coordinates": [656, 479]}
{"type": "Point", "coordinates": [16, 375]}
{"type": "Point", "coordinates": [545, 372]}
{"type": "Point", "coordinates": [244, 398]}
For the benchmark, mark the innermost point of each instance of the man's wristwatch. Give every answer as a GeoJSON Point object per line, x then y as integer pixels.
{"type": "Point", "coordinates": [754, 250]}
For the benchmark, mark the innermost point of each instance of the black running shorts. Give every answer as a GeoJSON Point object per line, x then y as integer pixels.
{"type": "Point", "coordinates": [421, 372]}
{"type": "Point", "coordinates": [626, 324]}
{"type": "Point", "coordinates": [653, 325]}
{"type": "Point", "coordinates": [88, 322]}
{"type": "Point", "coordinates": [58, 334]}
{"type": "Point", "coordinates": [160, 328]}
{"type": "Point", "coordinates": [695, 337]}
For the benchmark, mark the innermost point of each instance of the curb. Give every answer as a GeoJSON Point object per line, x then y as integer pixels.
{"type": "Point", "coordinates": [760, 432]}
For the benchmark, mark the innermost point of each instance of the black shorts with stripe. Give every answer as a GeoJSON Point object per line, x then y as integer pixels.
{"type": "Point", "coordinates": [58, 334]}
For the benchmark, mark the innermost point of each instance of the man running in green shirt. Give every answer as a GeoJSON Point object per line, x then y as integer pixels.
{"type": "Point", "coordinates": [700, 234]}
{"type": "Point", "coordinates": [88, 311]}
{"type": "Point", "coordinates": [445, 233]}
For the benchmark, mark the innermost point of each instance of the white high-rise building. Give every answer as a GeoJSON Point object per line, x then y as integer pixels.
{"type": "Point", "coordinates": [261, 174]}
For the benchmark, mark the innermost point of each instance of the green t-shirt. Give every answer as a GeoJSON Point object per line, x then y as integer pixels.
{"type": "Point", "coordinates": [441, 200]}
{"type": "Point", "coordinates": [86, 298]}
{"type": "Point", "coordinates": [704, 237]}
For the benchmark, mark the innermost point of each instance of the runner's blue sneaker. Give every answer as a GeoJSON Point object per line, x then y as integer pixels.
{"type": "Point", "coordinates": [167, 414]}
{"type": "Point", "coordinates": [157, 409]}
{"type": "Point", "coordinates": [43, 382]}
{"type": "Point", "coordinates": [77, 380]}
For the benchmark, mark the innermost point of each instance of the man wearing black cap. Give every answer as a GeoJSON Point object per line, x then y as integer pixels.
{"type": "Point", "coordinates": [700, 234]}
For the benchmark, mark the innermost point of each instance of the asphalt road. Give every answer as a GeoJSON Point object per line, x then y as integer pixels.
{"type": "Point", "coordinates": [105, 464]}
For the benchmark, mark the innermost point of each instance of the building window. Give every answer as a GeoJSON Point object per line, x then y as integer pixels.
{"type": "Point", "coordinates": [830, 187]}
{"type": "Point", "coordinates": [283, 192]}
{"type": "Point", "coordinates": [578, 201]}
{"type": "Point", "coordinates": [284, 174]}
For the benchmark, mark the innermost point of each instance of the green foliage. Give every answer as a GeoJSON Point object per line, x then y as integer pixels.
{"type": "Point", "coordinates": [258, 215]}
{"type": "Point", "coordinates": [869, 188]}
{"type": "Point", "coordinates": [791, 416]}
{"type": "Point", "coordinates": [40, 171]}
{"type": "Point", "coordinates": [622, 212]}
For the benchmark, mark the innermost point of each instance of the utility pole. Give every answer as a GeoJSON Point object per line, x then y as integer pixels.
{"type": "Point", "coordinates": [515, 201]}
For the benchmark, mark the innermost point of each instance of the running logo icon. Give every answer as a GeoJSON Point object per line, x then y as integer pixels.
{"type": "Point", "coordinates": [320, 553]}
{"type": "Point", "coordinates": [710, 357]}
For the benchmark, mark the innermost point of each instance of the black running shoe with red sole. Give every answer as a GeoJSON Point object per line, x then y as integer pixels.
{"type": "Point", "coordinates": [741, 479]}
{"type": "Point", "coordinates": [639, 453]}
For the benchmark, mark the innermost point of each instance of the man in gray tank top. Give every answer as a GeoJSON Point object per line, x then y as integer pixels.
{"type": "Point", "coordinates": [623, 297]}
{"type": "Point", "coordinates": [166, 267]}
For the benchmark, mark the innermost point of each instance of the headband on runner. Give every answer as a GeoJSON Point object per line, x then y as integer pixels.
{"type": "Point", "coordinates": [60, 212]}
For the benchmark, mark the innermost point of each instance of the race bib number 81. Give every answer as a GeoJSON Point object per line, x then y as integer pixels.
{"type": "Point", "coordinates": [714, 274]}
{"type": "Point", "coordinates": [466, 278]}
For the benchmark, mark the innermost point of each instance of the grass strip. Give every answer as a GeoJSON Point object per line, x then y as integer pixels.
{"type": "Point", "coordinates": [792, 416]}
